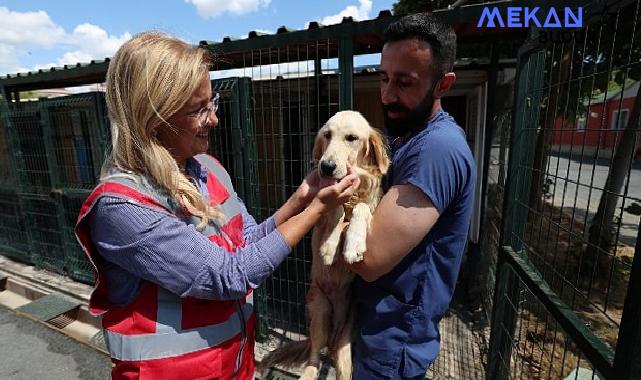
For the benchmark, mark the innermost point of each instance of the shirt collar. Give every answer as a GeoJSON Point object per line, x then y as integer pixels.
{"type": "Point", "coordinates": [195, 169]}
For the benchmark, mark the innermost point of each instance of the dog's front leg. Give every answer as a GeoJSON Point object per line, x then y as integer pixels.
{"type": "Point", "coordinates": [332, 235]}
{"type": "Point", "coordinates": [356, 235]}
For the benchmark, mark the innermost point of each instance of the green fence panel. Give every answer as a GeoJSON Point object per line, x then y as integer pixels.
{"type": "Point", "coordinates": [14, 241]}
{"type": "Point", "coordinates": [77, 265]}
{"type": "Point", "coordinates": [33, 165]}
{"type": "Point", "coordinates": [46, 239]}
{"type": "Point", "coordinates": [559, 309]}
{"type": "Point", "coordinates": [78, 132]}
{"type": "Point", "coordinates": [233, 143]}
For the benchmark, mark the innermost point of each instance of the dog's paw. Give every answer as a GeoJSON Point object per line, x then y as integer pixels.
{"type": "Point", "coordinates": [355, 247]}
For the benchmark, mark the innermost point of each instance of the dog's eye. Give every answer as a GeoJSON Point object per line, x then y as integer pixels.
{"type": "Point", "coordinates": [328, 135]}
{"type": "Point", "coordinates": [351, 138]}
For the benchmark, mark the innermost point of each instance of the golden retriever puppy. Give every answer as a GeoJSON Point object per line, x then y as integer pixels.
{"type": "Point", "coordinates": [346, 139]}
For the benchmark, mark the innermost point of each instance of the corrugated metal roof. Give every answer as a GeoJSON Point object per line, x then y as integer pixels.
{"type": "Point", "coordinates": [312, 25]}
{"type": "Point", "coordinates": [56, 68]}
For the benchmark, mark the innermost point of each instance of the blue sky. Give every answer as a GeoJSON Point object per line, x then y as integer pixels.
{"type": "Point", "coordinates": [43, 33]}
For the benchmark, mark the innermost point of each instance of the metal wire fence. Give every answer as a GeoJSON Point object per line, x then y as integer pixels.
{"type": "Point", "coordinates": [540, 348]}
{"type": "Point", "coordinates": [13, 236]}
{"type": "Point", "coordinates": [294, 90]}
{"type": "Point", "coordinates": [563, 201]}
{"type": "Point", "coordinates": [57, 150]}
{"type": "Point", "coordinates": [573, 198]}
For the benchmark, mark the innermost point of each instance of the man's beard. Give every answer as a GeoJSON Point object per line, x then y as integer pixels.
{"type": "Point", "coordinates": [412, 119]}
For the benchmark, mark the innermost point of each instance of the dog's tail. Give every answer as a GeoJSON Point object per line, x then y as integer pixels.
{"type": "Point", "coordinates": [288, 355]}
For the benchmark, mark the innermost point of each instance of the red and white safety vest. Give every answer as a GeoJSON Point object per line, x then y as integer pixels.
{"type": "Point", "coordinates": [161, 335]}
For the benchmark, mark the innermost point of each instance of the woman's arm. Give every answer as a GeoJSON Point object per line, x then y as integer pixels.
{"type": "Point", "coordinates": [300, 199]}
{"type": "Point", "coordinates": [162, 249]}
{"type": "Point", "coordinates": [253, 232]}
{"type": "Point", "coordinates": [293, 206]}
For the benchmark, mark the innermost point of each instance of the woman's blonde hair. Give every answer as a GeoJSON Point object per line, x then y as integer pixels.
{"type": "Point", "coordinates": [149, 79]}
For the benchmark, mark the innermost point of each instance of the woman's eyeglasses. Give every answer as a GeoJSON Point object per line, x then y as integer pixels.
{"type": "Point", "coordinates": [204, 114]}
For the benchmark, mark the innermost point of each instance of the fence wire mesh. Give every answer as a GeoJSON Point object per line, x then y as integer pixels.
{"type": "Point", "coordinates": [582, 209]}
{"type": "Point", "coordinates": [58, 148]}
{"type": "Point", "coordinates": [33, 167]}
{"type": "Point", "coordinates": [575, 208]}
{"type": "Point", "coordinates": [541, 349]}
{"type": "Point", "coordinates": [79, 139]}
{"type": "Point", "coordinates": [294, 90]}
{"type": "Point", "coordinates": [13, 236]}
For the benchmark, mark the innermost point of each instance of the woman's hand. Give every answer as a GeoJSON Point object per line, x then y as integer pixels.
{"type": "Point", "coordinates": [308, 188]}
{"type": "Point", "coordinates": [331, 196]}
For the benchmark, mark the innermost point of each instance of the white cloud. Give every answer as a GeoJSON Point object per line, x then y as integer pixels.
{"type": "Point", "coordinates": [95, 41]}
{"type": "Point", "coordinates": [24, 32]}
{"type": "Point", "coordinates": [358, 13]}
{"type": "Point", "coordinates": [92, 42]}
{"type": "Point", "coordinates": [28, 29]}
{"type": "Point", "coordinates": [213, 8]}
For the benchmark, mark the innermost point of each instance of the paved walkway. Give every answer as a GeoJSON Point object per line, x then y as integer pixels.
{"type": "Point", "coordinates": [30, 350]}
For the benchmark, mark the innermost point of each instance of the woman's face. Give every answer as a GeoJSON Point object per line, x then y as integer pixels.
{"type": "Point", "coordinates": [191, 125]}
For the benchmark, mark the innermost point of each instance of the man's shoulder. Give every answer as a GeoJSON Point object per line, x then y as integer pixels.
{"type": "Point", "coordinates": [442, 139]}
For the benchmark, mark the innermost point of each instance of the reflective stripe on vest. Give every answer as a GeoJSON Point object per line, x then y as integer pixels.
{"type": "Point", "coordinates": [174, 343]}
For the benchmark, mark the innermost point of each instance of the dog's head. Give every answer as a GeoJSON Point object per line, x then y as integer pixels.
{"type": "Point", "coordinates": [347, 138]}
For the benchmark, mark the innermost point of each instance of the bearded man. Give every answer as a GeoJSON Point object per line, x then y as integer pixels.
{"type": "Point", "coordinates": [419, 231]}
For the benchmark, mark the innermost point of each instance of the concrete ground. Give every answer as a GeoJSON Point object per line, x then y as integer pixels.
{"type": "Point", "coordinates": [33, 350]}
{"type": "Point", "coordinates": [30, 350]}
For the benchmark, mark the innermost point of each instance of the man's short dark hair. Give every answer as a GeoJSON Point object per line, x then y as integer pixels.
{"type": "Point", "coordinates": [426, 27]}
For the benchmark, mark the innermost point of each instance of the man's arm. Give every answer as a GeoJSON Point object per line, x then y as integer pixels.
{"type": "Point", "coordinates": [402, 219]}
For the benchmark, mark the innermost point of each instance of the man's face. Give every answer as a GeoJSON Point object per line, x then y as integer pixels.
{"type": "Point", "coordinates": [407, 82]}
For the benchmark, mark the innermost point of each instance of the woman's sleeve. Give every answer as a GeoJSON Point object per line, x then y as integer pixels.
{"type": "Point", "coordinates": [253, 232]}
{"type": "Point", "coordinates": [162, 249]}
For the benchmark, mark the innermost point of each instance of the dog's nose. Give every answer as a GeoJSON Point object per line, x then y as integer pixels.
{"type": "Point", "coordinates": [327, 168]}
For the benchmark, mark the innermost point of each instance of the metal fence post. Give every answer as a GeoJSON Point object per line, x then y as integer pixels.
{"type": "Point", "coordinates": [249, 152]}
{"type": "Point", "coordinates": [627, 359]}
{"type": "Point", "coordinates": [250, 183]}
{"type": "Point", "coordinates": [100, 138]}
{"type": "Point", "coordinates": [507, 288]}
{"type": "Point", "coordinates": [346, 72]}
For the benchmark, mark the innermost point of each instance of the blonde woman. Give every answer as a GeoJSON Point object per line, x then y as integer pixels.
{"type": "Point", "coordinates": [175, 251]}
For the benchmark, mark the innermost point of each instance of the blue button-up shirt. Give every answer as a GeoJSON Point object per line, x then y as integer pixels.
{"type": "Point", "coordinates": [139, 243]}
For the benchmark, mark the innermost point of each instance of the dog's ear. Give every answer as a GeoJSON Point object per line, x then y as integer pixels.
{"type": "Point", "coordinates": [319, 146]}
{"type": "Point", "coordinates": [377, 151]}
